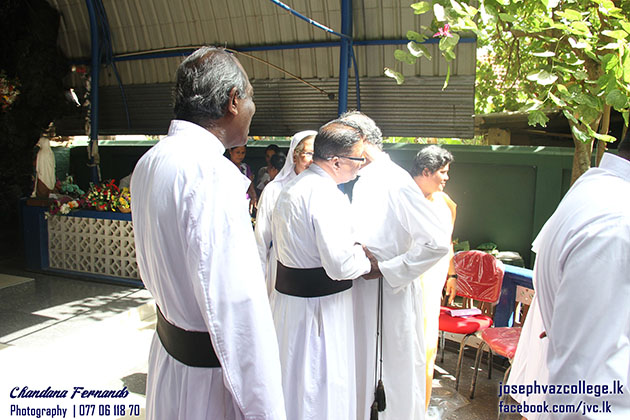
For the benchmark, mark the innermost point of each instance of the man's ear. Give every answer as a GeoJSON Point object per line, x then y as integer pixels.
{"type": "Point", "coordinates": [232, 106]}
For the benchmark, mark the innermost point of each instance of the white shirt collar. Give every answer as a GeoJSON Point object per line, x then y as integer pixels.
{"type": "Point", "coordinates": [187, 128]}
{"type": "Point", "coordinates": [617, 165]}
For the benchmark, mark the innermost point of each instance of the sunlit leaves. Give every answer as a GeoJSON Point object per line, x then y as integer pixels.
{"type": "Point", "coordinates": [404, 56]}
{"type": "Point", "coordinates": [421, 7]}
{"type": "Point", "coordinates": [418, 50]}
{"type": "Point", "coordinates": [542, 77]}
{"type": "Point", "coordinates": [619, 34]}
{"type": "Point", "coordinates": [415, 36]}
{"type": "Point", "coordinates": [537, 117]}
{"type": "Point", "coordinates": [617, 100]}
{"type": "Point", "coordinates": [400, 79]}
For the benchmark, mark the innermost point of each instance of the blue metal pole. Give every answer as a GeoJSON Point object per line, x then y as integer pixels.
{"type": "Point", "coordinates": [344, 54]}
{"type": "Point", "coordinates": [95, 45]}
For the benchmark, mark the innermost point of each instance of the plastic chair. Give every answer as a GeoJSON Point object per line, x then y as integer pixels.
{"type": "Point", "coordinates": [502, 341]}
{"type": "Point", "coordinates": [479, 277]}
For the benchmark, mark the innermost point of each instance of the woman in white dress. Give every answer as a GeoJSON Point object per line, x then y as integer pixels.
{"type": "Point", "coordinates": [299, 158]}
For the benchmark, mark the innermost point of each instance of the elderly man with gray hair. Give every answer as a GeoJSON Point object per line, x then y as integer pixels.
{"type": "Point", "coordinates": [394, 220]}
{"type": "Point", "coordinates": [214, 355]}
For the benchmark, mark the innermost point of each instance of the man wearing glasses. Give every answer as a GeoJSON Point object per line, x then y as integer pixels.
{"type": "Point", "coordinates": [317, 260]}
{"type": "Point", "coordinates": [395, 221]}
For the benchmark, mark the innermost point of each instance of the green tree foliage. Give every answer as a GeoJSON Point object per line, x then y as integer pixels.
{"type": "Point", "coordinates": [29, 55]}
{"type": "Point", "coordinates": [538, 55]}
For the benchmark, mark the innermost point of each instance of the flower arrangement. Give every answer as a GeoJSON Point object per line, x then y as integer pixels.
{"type": "Point", "coordinates": [124, 201]}
{"type": "Point", "coordinates": [105, 196]}
{"type": "Point", "coordinates": [102, 197]}
{"type": "Point", "coordinates": [68, 187]}
{"type": "Point", "coordinates": [64, 205]}
{"type": "Point", "coordinates": [8, 91]}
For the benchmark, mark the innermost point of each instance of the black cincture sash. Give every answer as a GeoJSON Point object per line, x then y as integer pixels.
{"type": "Point", "coordinates": [192, 348]}
{"type": "Point", "coordinates": [308, 282]}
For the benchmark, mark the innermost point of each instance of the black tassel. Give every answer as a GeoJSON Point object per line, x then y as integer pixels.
{"type": "Point", "coordinates": [374, 411]}
{"type": "Point", "coordinates": [380, 396]}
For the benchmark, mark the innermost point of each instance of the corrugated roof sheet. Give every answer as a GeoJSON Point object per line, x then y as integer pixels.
{"type": "Point", "coordinates": [155, 25]}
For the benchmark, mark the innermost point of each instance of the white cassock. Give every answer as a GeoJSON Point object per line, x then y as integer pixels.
{"type": "Point", "coordinates": [311, 228]}
{"type": "Point", "coordinates": [407, 236]}
{"type": "Point", "coordinates": [583, 290]}
{"type": "Point", "coordinates": [197, 256]}
{"type": "Point", "coordinates": [266, 204]}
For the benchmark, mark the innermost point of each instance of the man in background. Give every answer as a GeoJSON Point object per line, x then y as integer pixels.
{"type": "Point", "coordinates": [398, 224]}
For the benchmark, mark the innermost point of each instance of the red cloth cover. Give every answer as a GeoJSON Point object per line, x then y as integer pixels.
{"type": "Point", "coordinates": [502, 341]}
{"type": "Point", "coordinates": [479, 275]}
{"type": "Point", "coordinates": [463, 325]}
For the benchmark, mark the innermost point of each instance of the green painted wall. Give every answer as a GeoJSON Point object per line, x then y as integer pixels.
{"type": "Point", "coordinates": [504, 193]}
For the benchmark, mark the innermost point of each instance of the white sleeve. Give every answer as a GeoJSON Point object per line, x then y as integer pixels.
{"type": "Point", "coordinates": [430, 233]}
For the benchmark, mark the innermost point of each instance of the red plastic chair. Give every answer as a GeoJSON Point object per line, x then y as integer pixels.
{"type": "Point", "coordinates": [502, 341]}
{"type": "Point", "coordinates": [479, 277]}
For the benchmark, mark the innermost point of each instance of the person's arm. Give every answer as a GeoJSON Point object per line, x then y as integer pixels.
{"type": "Point", "coordinates": [429, 232]}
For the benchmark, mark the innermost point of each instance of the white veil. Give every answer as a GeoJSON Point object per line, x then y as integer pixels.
{"type": "Point", "coordinates": [289, 165]}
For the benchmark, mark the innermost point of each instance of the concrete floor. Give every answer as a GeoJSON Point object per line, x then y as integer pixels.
{"type": "Point", "coordinates": [66, 333]}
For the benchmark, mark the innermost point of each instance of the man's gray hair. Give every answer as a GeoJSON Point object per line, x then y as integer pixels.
{"type": "Point", "coordinates": [204, 81]}
{"type": "Point", "coordinates": [432, 158]}
{"type": "Point", "coordinates": [373, 134]}
{"type": "Point", "coordinates": [336, 138]}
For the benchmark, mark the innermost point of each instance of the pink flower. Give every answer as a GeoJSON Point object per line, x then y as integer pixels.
{"type": "Point", "coordinates": [445, 31]}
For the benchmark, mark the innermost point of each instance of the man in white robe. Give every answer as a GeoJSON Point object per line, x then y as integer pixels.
{"type": "Point", "coordinates": [311, 231]}
{"type": "Point", "coordinates": [583, 289]}
{"type": "Point", "coordinates": [398, 224]}
{"type": "Point", "coordinates": [197, 256]}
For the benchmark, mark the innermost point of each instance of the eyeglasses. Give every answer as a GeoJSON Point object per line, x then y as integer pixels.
{"type": "Point", "coordinates": [356, 159]}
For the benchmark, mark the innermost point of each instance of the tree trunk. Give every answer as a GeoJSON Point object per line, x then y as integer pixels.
{"type": "Point", "coordinates": [603, 129]}
{"type": "Point", "coordinates": [581, 158]}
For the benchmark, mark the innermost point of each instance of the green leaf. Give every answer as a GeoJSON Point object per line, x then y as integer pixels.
{"type": "Point", "coordinates": [544, 54]}
{"type": "Point", "coordinates": [626, 67]}
{"type": "Point", "coordinates": [625, 25]}
{"type": "Point", "coordinates": [415, 36]}
{"type": "Point", "coordinates": [619, 34]}
{"type": "Point", "coordinates": [507, 17]}
{"type": "Point", "coordinates": [626, 117]}
{"type": "Point", "coordinates": [580, 135]}
{"type": "Point", "coordinates": [581, 75]}
{"type": "Point", "coordinates": [562, 89]}
{"type": "Point", "coordinates": [537, 117]}
{"type": "Point", "coordinates": [617, 100]}
{"type": "Point", "coordinates": [581, 28]}
{"type": "Point", "coordinates": [604, 137]}
{"type": "Point", "coordinates": [448, 76]}
{"type": "Point", "coordinates": [404, 56]}
{"type": "Point", "coordinates": [587, 114]}
{"type": "Point", "coordinates": [438, 12]}
{"type": "Point", "coordinates": [556, 100]}
{"type": "Point", "coordinates": [542, 77]}
{"type": "Point", "coordinates": [577, 44]}
{"type": "Point", "coordinates": [457, 7]}
{"type": "Point", "coordinates": [570, 116]}
{"type": "Point", "coordinates": [418, 50]}
{"type": "Point", "coordinates": [570, 14]}
{"type": "Point", "coordinates": [610, 61]}
{"type": "Point", "coordinates": [421, 7]}
{"type": "Point", "coordinates": [394, 75]}
{"type": "Point", "coordinates": [449, 55]}
{"type": "Point", "coordinates": [470, 10]}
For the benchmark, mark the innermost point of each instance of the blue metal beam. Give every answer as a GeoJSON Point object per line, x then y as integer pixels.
{"type": "Point", "coordinates": [95, 67]}
{"type": "Point", "coordinates": [344, 55]}
{"type": "Point", "coordinates": [182, 52]}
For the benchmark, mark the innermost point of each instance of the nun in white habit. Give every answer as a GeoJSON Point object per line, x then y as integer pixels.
{"type": "Point", "coordinates": [299, 158]}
